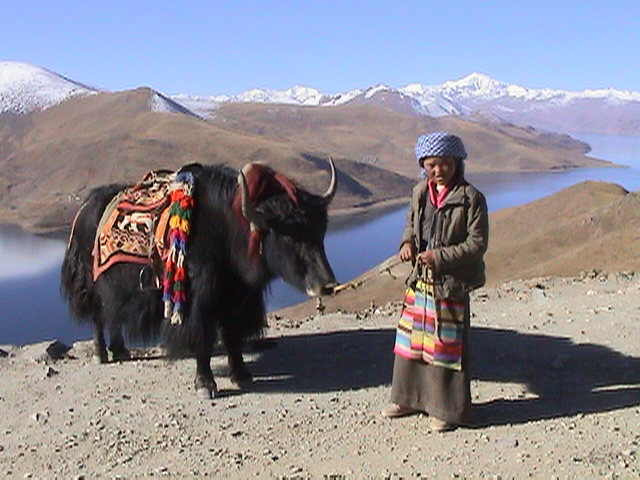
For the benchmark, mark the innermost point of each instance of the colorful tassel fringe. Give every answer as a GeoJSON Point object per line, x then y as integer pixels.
{"type": "Point", "coordinates": [175, 277]}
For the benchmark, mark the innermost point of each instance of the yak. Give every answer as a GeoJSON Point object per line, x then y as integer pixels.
{"type": "Point", "coordinates": [246, 229]}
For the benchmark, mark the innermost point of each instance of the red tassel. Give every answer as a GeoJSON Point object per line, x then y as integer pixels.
{"type": "Point", "coordinates": [181, 275]}
{"type": "Point", "coordinates": [255, 241]}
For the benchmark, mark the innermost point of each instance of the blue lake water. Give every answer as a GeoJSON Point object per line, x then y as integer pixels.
{"type": "Point", "coordinates": [32, 310]}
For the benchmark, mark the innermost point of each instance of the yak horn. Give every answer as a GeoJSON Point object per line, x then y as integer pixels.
{"type": "Point", "coordinates": [333, 184]}
{"type": "Point", "coordinates": [250, 213]}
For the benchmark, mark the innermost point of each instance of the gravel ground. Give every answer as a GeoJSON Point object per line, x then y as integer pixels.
{"type": "Point", "coordinates": [556, 392]}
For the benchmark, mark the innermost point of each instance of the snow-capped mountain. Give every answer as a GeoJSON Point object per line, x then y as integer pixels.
{"type": "Point", "coordinates": [25, 88]}
{"type": "Point", "coordinates": [452, 97]}
{"type": "Point", "coordinates": [594, 111]}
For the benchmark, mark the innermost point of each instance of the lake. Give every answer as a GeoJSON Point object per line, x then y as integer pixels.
{"type": "Point", "coordinates": [32, 309]}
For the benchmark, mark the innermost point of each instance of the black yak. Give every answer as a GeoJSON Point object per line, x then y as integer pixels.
{"type": "Point", "coordinates": [245, 230]}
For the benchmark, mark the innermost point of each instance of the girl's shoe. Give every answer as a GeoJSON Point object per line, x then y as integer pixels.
{"type": "Point", "coordinates": [438, 425]}
{"type": "Point", "coordinates": [397, 411]}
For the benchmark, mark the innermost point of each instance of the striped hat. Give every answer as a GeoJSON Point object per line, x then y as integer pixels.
{"type": "Point", "coordinates": [439, 144]}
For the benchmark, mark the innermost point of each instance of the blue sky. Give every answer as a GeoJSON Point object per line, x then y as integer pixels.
{"type": "Point", "coordinates": [226, 47]}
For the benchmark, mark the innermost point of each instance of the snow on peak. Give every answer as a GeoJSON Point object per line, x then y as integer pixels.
{"type": "Point", "coordinates": [202, 106]}
{"type": "Point", "coordinates": [377, 89]}
{"type": "Point", "coordinates": [454, 97]}
{"type": "Point", "coordinates": [305, 95]}
{"type": "Point", "coordinates": [163, 104]}
{"type": "Point", "coordinates": [297, 95]}
{"type": "Point", "coordinates": [473, 85]}
{"type": "Point", "coordinates": [341, 98]}
{"type": "Point", "coordinates": [25, 88]}
{"type": "Point", "coordinates": [414, 89]}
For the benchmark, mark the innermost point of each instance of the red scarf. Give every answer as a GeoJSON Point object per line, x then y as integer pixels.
{"type": "Point", "coordinates": [437, 198]}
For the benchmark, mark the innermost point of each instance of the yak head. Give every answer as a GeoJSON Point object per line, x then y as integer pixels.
{"type": "Point", "coordinates": [287, 226]}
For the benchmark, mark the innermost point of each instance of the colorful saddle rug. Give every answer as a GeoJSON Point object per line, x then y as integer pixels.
{"type": "Point", "coordinates": [149, 224]}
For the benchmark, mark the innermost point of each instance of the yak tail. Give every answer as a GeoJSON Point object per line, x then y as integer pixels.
{"type": "Point", "coordinates": [76, 277]}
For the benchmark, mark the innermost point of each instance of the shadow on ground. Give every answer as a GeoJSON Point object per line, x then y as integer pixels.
{"type": "Point", "coordinates": [566, 378]}
{"type": "Point", "coordinates": [561, 378]}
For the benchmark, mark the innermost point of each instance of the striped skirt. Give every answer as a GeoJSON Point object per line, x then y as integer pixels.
{"type": "Point", "coordinates": [431, 330]}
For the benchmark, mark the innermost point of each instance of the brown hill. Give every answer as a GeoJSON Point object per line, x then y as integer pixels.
{"type": "Point", "coordinates": [590, 226]}
{"type": "Point", "coordinates": [382, 137]}
{"type": "Point", "coordinates": [49, 160]}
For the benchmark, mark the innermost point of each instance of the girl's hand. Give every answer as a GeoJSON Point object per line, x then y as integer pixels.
{"type": "Point", "coordinates": [406, 252]}
{"type": "Point", "coordinates": [426, 258]}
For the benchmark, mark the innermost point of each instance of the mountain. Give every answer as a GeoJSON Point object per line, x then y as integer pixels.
{"type": "Point", "coordinates": [591, 111]}
{"type": "Point", "coordinates": [25, 88]}
{"type": "Point", "coordinates": [382, 137]}
{"type": "Point", "coordinates": [52, 152]}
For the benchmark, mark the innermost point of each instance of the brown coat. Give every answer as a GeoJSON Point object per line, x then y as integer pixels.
{"type": "Point", "coordinates": [459, 236]}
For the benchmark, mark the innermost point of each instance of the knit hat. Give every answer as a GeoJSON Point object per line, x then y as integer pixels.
{"type": "Point", "coordinates": [439, 144]}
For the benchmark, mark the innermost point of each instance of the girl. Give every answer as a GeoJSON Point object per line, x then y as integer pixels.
{"type": "Point", "coordinates": [445, 239]}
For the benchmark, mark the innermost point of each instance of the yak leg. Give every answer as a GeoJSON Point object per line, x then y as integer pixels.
{"type": "Point", "coordinates": [240, 374]}
{"type": "Point", "coordinates": [116, 343]}
{"type": "Point", "coordinates": [100, 354]}
{"type": "Point", "coordinates": [205, 384]}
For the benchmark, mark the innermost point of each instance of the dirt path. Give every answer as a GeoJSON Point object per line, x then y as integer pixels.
{"type": "Point", "coordinates": [556, 391]}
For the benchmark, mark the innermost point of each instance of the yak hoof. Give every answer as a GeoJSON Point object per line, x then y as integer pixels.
{"type": "Point", "coordinates": [100, 358]}
{"type": "Point", "coordinates": [206, 391]}
{"type": "Point", "coordinates": [242, 378]}
{"type": "Point", "coordinates": [120, 355]}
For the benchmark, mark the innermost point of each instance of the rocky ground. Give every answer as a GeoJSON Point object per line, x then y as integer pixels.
{"type": "Point", "coordinates": [556, 392]}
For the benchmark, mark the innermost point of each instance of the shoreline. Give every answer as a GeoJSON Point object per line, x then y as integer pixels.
{"type": "Point", "coordinates": [340, 218]}
{"type": "Point", "coordinates": [345, 217]}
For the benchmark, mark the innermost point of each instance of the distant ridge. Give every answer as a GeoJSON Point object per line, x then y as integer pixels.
{"type": "Point", "coordinates": [590, 111]}
{"type": "Point", "coordinates": [477, 86]}
{"type": "Point", "coordinates": [26, 88]}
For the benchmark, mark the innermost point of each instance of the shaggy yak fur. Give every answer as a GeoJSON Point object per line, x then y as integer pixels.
{"type": "Point", "coordinates": [229, 266]}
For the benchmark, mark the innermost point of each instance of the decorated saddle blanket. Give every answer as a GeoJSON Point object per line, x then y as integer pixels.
{"type": "Point", "coordinates": [149, 224]}
{"type": "Point", "coordinates": [133, 226]}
